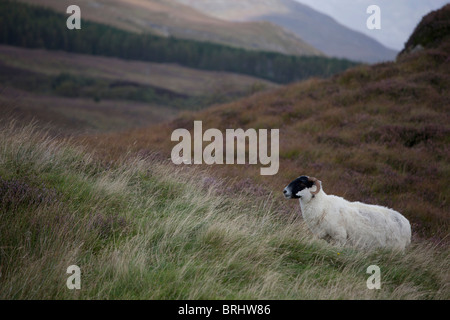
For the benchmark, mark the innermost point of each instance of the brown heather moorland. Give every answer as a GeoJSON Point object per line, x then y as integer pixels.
{"type": "Point", "coordinates": [378, 134]}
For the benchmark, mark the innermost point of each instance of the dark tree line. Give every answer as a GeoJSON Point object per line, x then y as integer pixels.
{"type": "Point", "coordinates": [36, 27]}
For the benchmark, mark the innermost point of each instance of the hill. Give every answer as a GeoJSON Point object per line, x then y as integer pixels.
{"type": "Point", "coordinates": [146, 230]}
{"type": "Point", "coordinates": [171, 18]}
{"type": "Point", "coordinates": [378, 134]}
{"type": "Point", "coordinates": [318, 29]}
{"type": "Point", "coordinates": [399, 18]}
{"type": "Point", "coordinates": [163, 76]}
{"type": "Point", "coordinates": [77, 93]}
{"type": "Point", "coordinates": [43, 28]}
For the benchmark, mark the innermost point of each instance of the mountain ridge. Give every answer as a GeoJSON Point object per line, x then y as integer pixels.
{"type": "Point", "coordinates": [170, 18]}
{"type": "Point", "coordinates": [319, 30]}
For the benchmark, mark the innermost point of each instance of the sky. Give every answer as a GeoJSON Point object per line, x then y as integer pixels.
{"type": "Point", "coordinates": [398, 17]}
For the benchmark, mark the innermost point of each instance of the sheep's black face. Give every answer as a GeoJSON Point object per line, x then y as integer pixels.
{"type": "Point", "coordinates": [296, 186]}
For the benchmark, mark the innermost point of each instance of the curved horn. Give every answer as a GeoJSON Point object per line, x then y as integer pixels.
{"type": "Point", "coordinates": [317, 183]}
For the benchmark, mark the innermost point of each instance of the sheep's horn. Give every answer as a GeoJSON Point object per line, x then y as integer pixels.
{"type": "Point", "coordinates": [317, 183]}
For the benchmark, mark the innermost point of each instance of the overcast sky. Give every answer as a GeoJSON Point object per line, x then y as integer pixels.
{"type": "Point", "coordinates": [398, 17]}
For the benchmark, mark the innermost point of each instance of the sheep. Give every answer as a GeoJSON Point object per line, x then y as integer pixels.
{"type": "Point", "coordinates": [348, 223]}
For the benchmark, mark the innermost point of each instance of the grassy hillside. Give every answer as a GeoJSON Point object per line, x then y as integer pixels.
{"type": "Point", "coordinates": [143, 229]}
{"type": "Point", "coordinates": [171, 18]}
{"type": "Point", "coordinates": [378, 134]}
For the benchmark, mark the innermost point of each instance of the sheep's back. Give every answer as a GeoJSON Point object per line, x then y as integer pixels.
{"type": "Point", "coordinates": [386, 225]}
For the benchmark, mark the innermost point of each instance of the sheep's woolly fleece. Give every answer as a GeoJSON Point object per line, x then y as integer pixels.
{"type": "Point", "coordinates": [348, 223]}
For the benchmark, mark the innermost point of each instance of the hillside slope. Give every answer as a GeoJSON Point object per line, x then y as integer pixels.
{"type": "Point", "coordinates": [319, 30]}
{"type": "Point", "coordinates": [75, 93]}
{"type": "Point", "coordinates": [378, 134]}
{"type": "Point", "coordinates": [170, 18]}
{"type": "Point", "coordinates": [171, 77]}
{"type": "Point", "coordinates": [146, 230]}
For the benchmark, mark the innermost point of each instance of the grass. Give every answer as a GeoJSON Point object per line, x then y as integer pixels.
{"type": "Point", "coordinates": [143, 229]}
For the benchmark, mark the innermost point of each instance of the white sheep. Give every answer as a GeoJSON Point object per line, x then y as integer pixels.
{"type": "Point", "coordinates": [348, 223]}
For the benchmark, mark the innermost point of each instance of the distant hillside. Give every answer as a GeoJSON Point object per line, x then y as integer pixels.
{"type": "Point", "coordinates": [75, 92]}
{"type": "Point", "coordinates": [379, 134]}
{"type": "Point", "coordinates": [172, 78]}
{"type": "Point", "coordinates": [317, 29]}
{"type": "Point", "coordinates": [44, 28]}
{"type": "Point", "coordinates": [170, 18]}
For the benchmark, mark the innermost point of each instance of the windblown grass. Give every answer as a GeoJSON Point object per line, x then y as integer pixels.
{"type": "Point", "coordinates": [143, 229]}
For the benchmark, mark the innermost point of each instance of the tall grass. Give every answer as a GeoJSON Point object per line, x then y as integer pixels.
{"type": "Point", "coordinates": [143, 229]}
